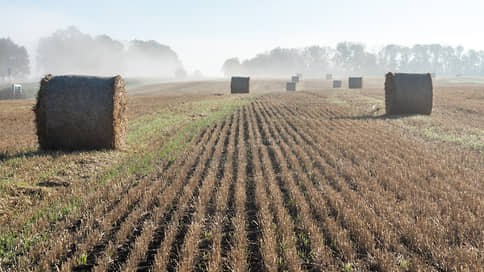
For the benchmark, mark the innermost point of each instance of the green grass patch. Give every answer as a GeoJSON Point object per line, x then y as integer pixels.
{"type": "Point", "coordinates": [336, 100]}
{"type": "Point", "coordinates": [473, 138]}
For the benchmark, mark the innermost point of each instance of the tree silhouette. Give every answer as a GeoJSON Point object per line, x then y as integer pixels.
{"type": "Point", "coordinates": [14, 60]}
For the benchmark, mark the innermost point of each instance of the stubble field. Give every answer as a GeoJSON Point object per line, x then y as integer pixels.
{"type": "Point", "coordinates": [318, 180]}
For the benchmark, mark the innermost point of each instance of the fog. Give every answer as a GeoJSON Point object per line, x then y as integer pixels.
{"type": "Point", "coordinates": [205, 34]}
{"type": "Point", "coordinates": [354, 59]}
{"type": "Point", "coordinates": [69, 51]}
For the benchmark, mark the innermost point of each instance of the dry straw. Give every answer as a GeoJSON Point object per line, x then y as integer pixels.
{"type": "Point", "coordinates": [355, 82]}
{"type": "Point", "coordinates": [408, 93]}
{"type": "Point", "coordinates": [240, 85]}
{"type": "Point", "coordinates": [81, 112]}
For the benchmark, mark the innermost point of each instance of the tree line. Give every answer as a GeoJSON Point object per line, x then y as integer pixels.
{"type": "Point", "coordinates": [349, 58]}
{"type": "Point", "coordinates": [69, 51]}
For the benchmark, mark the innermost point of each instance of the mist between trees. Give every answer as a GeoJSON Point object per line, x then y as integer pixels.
{"type": "Point", "coordinates": [350, 58]}
{"type": "Point", "coordinates": [69, 51]}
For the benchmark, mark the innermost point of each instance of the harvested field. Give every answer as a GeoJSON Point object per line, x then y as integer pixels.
{"type": "Point", "coordinates": [312, 180]}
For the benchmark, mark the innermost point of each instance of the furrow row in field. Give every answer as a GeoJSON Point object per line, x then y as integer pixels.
{"type": "Point", "coordinates": [286, 183]}
{"type": "Point", "coordinates": [136, 249]}
{"type": "Point", "coordinates": [222, 262]}
{"type": "Point", "coordinates": [164, 245]}
{"type": "Point", "coordinates": [210, 247]}
{"type": "Point", "coordinates": [101, 210]}
{"type": "Point", "coordinates": [238, 253]}
{"type": "Point", "coordinates": [135, 211]}
{"type": "Point", "coordinates": [190, 248]}
{"type": "Point", "coordinates": [338, 184]}
{"type": "Point", "coordinates": [398, 149]}
{"type": "Point", "coordinates": [341, 237]}
{"type": "Point", "coordinates": [313, 245]}
{"type": "Point", "coordinates": [270, 240]}
{"type": "Point", "coordinates": [437, 188]}
{"type": "Point", "coordinates": [367, 190]}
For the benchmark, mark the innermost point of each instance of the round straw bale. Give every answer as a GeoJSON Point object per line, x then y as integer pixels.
{"type": "Point", "coordinates": [355, 82]}
{"type": "Point", "coordinates": [240, 85]}
{"type": "Point", "coordinates": [291, 86]}
{"type": "Point", "coordinates": [81, 112]}
{"type": "Point", "coordinates": [337, 83]}
{"type": "Point", "coordinates": [408, 93]}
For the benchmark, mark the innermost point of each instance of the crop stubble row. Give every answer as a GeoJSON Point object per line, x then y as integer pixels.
{"type": "Point", "coordinates": [284, 184]}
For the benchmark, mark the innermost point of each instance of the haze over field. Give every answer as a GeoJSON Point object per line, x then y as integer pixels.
{"type": "Point", "coordinates": [205, 34]}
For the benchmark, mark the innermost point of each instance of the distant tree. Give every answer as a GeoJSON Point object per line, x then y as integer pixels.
{"type": "Point", "coordinates": [317, 60]}
{"type": "Point", "coordinates": [389, 57]}
{"type": "Point", "coordinates": [353, 58]}
{"type": "Point", "coordinates": [110, 54]}
{"type": "Point", "coordinates": [232, 67]}
{"type": "Point", "coordinates": [150, 58]}
{"type": "Point", "coordinates": [14, 60]}
{"type": "Point", "coordinates": [197, 74]}
{"type": "Point", "coordinates": [180, 73]}
{"type": "Point", "coordinates": [66, 51]}
{"type": "Point", "coordinates": [71, 51]}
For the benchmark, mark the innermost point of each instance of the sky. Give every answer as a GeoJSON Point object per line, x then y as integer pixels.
{"type": "Point", "coordinates": [205, 33]}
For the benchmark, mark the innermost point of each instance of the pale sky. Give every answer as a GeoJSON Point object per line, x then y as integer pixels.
{"type": "Point", "coordinates": [205, 33]}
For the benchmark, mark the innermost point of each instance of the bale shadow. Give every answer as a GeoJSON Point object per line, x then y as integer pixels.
{"type": "Point", "coordinates": [374, 117]}
{"type": "Point", "coordinates": [5, 155]}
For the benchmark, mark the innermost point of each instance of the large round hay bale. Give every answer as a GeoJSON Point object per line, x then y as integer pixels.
{"type": "Point", "coordinates": [81, 112]}
{"type": "Point", "coordinates": [355, 82]}
{"type": "Point", "coordinates": [337, 83]}
{"type": "Point", "coordinates": [408, 93]}
{"type": "Point", "coordinates": [240, 85]}
{"type": "Point", "coordinates": [291, 86]}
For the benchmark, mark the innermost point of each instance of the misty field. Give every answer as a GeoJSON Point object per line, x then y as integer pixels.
{"type": "Point", "coordinates": [315, 180]}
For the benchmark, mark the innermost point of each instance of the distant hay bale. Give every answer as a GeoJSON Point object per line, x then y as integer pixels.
{"type": "Point", "coordinates": [329, 76]}
{"type": "Point", "coordinates": [408, 93]}
{"type": "Point", "coordinates": [295, 79]}
{"type": "Point", "coordinates": [81, 113]}
{"type": "Point", "coordinates": [291, 86]}
{"type": "Point", "coordinates": [355, 82]}
{"type": "Point", "coordinates": [337, 83]}
{"type": "Point", "coordinates": [240, 85]}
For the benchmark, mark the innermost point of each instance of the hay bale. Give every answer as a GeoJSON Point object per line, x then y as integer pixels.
{"type": "Point", "coordinates": [329, 76]}
{"type": "Point", "coordinates": [295, 79]}
{"type": "Point", "coordinates": [291, 86]}
{"type": "Point", "coordinates": [240, 85]}
{"type": "Point", "coordinates": [81, 112]}
{"type": "Point", "coordinates": [337, 83]}
{"type": "Point", "coordinates": [355, 82]}
{"type": "Point", "coordinates": [408, 93]}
